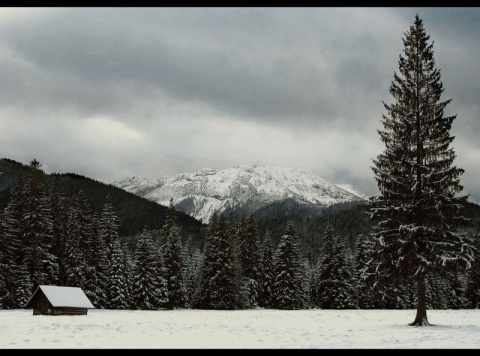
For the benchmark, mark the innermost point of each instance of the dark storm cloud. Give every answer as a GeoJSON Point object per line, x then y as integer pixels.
{"type": "Point", "coordinates": [250, 62]}
{"type": "Point", "coordinates": [116, 92]}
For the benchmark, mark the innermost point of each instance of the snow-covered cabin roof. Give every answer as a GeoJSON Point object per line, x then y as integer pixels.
{"type": "Point", "coordinates": [64, 297]}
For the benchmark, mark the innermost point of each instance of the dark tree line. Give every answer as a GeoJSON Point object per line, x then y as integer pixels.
{"type": "Point", "coordinates": [49, 237]}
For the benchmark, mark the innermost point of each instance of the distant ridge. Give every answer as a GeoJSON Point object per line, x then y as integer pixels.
{"type": "Point", "coordinates": [243, 189]}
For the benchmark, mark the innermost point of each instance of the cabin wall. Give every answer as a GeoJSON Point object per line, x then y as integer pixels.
{"type": "Point", "coordinates": [69, 311]}
{"type": "Point", "coordinates": [41, 305]}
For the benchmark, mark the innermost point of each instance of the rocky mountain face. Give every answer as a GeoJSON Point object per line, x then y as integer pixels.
{"type": "Point", "coordinates": [243, 189]}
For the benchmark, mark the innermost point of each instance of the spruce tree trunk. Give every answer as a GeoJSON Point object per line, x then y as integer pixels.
{"type": "Point", "coordinates": [421, 318]}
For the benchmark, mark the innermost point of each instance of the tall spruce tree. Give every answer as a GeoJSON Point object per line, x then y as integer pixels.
{"type": "Point", "coordinates": [250, 261]}
{"type": "Point", "coordinates": [128, 266]}
{"type": "Point", "coordinates": [169, 222]}
{"type": "Point", "coordinates": [335, 282]}
{"type": "Point", "coordinates": [265, 299]}
{"type": "Point", "coordinates": [59, 211]}
{"type": "Point", "coordinates": [116, 281]}
{"type": "Point", "coordinates": [93, 249]}
{"type": "Point", "coordinates": [38, 230]}
{"type": "Point", "coordinates": [194, 261]}
{"type": "Point", "coordinates": [416, 215]}
{"type": "Point", "coordinates": [366, 298]}
{"type": "Point", "coordinates": [288, 285]}
{"type": "Point", "coordinates": [74, 264]}
{"type": "Point", "coordinates": [14, 269]}
{"type": "Point", "coordinates": [118, 296]}
{"type": "Point", "coordinates": [219, 286]}
{"type": "Point", "coordinates": [4, 264]}
{"type": "Point", "coordinates": [109, 224]}
{"type": "Point", "coordinates": [98, 266]}
{"type": "Point", "coordinates": [173, 260]}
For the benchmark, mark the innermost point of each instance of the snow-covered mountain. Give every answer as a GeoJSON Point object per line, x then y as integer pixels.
{"type": "Point", "coordinates": [350, 188]}
{"type": "Point", "coordinates": [247, 189]}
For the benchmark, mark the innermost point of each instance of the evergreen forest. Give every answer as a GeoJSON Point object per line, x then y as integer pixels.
{"type": "Point", "coordinates": [54, 233]}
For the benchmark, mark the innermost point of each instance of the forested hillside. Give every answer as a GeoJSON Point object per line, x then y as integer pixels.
{"type": "Point", "coordinates": [134, 213]}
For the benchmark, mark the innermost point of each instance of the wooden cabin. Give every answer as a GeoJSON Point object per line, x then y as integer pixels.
{"type": "Point", "coordinates": [55, 300]}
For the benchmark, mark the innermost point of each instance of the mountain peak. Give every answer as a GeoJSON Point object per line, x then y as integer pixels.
{"type": "Point", "coordinates": [242, 189]}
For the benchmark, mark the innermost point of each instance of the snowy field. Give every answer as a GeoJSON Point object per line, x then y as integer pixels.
{"type": "Point", "coordinates": [267, 329]}
{"type": "Point", "coordinates": [243, 329]}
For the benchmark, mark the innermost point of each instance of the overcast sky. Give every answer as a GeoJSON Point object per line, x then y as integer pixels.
{"type": "Point", "coordinates": [111, 93]}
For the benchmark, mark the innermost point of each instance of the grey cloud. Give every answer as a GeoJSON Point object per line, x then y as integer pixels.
{"type": "Point", "coordinates": [316, 70]}
{"type": "Point", "coordinates": [94, 52]}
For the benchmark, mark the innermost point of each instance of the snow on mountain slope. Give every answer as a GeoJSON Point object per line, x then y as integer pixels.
{"type": "Point", "coordinates": [353, 190]}
{"type": "Point", "coordinates": [247, 187]}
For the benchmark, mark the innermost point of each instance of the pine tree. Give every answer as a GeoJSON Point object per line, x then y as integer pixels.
{"type": "Point", "coordinates": [13, 261]}
{"type": "Point", "coordinates": [109, 224]}
{"type": "Point", "coordinates": [128, 266]}
{"type": "Point", "coordinates": [59, 212]}
{"type": "Point", "coordinates": [95, 256]}
{"type": "Point", "coordinates": [235, 240]}
{"type": "Point", "coordinates": [335, 283]}
{"type": "Point", "coordinates": [74, 262]}
{"type": "Point", "coordinates": [37, 235]}
{"type": "Point", "coordinates": [366, 299]}
{"type": "Point", "coordinates": [97, 261]}
{"type": "Point", "coordinates": [457, 288]}
{"type": "Point", "coordinates": [308, 280]}
{"type": "Point", "coordinates": [265, 299]}
{"type": "Point", "coordinates": [417, 212]}
{"type": "Point", "coordinates": [117, 282]}
{"type": "Point", "coordinates": [194, 262]}
{"type": "Point", "coordinates": [149, 290]}
{"type": "Point", "coordinates": [219, 287]}
{"type": "Point", "coordinates": [378, 293]}
{"type": "Point", "coordinates": [162, 277]}
{"type": "Point", "coordinates": [23, 284]}
{"type": "Point", "coordinates": [437, 293]}
{"type": "Point", "coordinates": [287, 291]}
{"type": "Point", "coordinates": [250, 259]}
{"type": "Point", "coordinates": [173, 260]}
{"type": "Point", "coordinates": [4, 272]}
{"type": "Point", "coordinates": [169, 222]}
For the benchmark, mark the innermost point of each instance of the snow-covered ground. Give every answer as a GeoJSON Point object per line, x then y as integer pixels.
{"type": "Point", "coordinates": [242, 329]}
